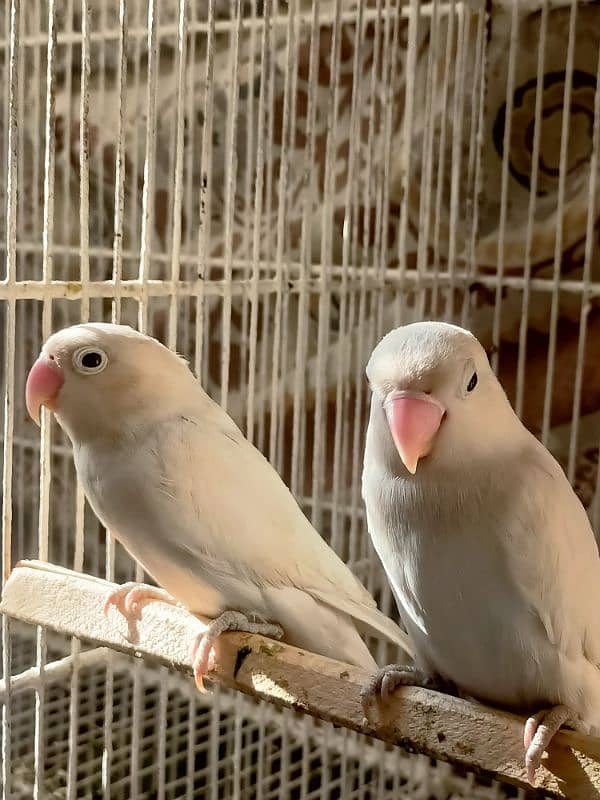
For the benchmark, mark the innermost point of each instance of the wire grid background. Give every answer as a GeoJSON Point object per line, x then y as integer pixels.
{"type": "Point", "coordinates": [269, 186]}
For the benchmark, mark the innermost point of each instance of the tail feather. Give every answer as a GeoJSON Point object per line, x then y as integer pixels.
{"type": "Point", "coordinates": [377, 622]}
{"type": "Point", "coordinates": [370, 618]}
{"type": "Point", "coordinates": [318, 627]}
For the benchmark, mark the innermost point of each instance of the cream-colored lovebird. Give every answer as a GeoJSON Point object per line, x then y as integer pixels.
{"type": "Point", "coordinates": [171, 476]}
{"type": "Point", "coordinates": [489, 552]}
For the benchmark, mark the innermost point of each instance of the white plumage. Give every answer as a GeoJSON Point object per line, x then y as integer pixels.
{"type": "Point", "coordinates": [171, 476]}
{"type": "Point", "coordinates": [489, 552]}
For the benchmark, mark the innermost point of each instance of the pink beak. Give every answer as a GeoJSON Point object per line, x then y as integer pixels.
{"type": "Point", "coordinates": [44, 382]}
{"type": "Point", "coordinates": [414, 419]}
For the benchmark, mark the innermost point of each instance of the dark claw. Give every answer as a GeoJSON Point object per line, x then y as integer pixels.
{"type": "Point", "coordinates": [384, 683]}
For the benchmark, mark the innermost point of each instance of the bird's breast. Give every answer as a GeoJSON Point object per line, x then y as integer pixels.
{"type": "Point", "coordinates": [453, 581]}
{"type": "Point", "coordinates": [152, 512]}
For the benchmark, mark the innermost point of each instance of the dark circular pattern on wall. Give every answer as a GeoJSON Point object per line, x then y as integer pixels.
{"type": "Point", "coordinates": [523, 122]}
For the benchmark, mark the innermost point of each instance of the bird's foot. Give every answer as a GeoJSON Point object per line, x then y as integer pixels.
{"type": "Point", "coordinates": [385, 681]}
{"type": "Point", "coordinates": [539, 732]}
{"type": "Point", "coordinates": [130, 597]}
{"type": "Point", "coordinates": [228, 621]}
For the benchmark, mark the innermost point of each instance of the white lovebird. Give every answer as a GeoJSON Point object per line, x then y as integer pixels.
{"type": "Point", "coordinates": [489, 552]}
{"type": "Point", "coordinates": [171, 476]}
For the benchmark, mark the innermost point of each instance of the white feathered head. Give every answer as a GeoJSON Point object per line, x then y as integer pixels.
{"type": "Point", "coordinates": [96, 376]}
{"type": "Point", "coordinates": [436, 389]}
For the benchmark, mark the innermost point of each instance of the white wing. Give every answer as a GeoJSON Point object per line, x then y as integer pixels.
{"type": "Point", "coordinates": [560, 567]}
{"type": "Point", "coordinates": [199, 506]}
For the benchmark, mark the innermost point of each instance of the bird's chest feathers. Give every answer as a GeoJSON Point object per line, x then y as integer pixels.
{"type": "Point", "coordinates": [429, 532]}
{"type": "Point", "coordinates": [153, 481]}
{"type": "Point", "coordinates": [463, 577]}
{"type": "Point", "coordinates": [449, 561]}
{"type": "Point", "coordinates": [117, 480]}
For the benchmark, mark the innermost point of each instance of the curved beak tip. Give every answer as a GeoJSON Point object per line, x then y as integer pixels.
{"type": "Point", "coordinates": [410, 463]}
{"type": "Point", "coordinates": [35, 413]}
{"type": "Point", "coordinates": [44, 382]}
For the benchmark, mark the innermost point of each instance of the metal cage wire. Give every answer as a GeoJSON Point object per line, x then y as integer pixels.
{"type": "Point", "coordinates": [268, 187]}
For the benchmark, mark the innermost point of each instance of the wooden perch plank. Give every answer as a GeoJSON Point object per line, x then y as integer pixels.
{"type": "Point", "coordinates": [447, 728]}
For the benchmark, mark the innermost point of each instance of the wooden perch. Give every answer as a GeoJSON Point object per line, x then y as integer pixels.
{"type": "Point", "coordinates": [471, 735]}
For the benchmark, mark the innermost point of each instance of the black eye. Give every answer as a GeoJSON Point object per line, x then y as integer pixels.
{"type": "Point", "coordinates": [91, 360]}
{"type": "Point", "coordinates": [472, 383]}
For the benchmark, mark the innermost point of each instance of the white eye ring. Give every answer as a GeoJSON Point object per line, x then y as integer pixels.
{"type": "Point", "coordinates": [89, 369]}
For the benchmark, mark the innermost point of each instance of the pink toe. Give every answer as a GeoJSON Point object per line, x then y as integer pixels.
{"type": "Point", "coordinates": [531, 770]}
{"type": "Point", "coordinates": [203, 652]}
{"type": "Point", "coordinates": [200, 658]}
{"type": "Point", "coordinates": [130, 605]}
{"type": "Point", "coordinates": [199, 678]}
{"type": "Point", "coordinates": [529, 731]}
{"type": "Point", "coordinates": [111, 600]}
{"type": "Point", "coordinates": [532, 762]}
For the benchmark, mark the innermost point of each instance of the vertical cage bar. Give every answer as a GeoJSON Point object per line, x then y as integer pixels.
{"type": "Point", "coordinates": [204, 221]}
{"type": "Point", "coordinates": [180, 67]}
{"type": "Point", "coordinates": [146, 251]}
{"type": "Point", "coordinates": [389, 66]}
{"type": "Point", "coordinates": [324, 308]}
{"type": "Point", "coordinates": [464, 27]}
{"type": "Point", "coordinates": [510, 89]}
{"type": "Point", "coordinates": [537, 135]}
{"type": "Point", "coordinates": [390, 61]}
{"type": "Point", "coordinates": [269, 268]}
{"type": "Point", "coordinates": [47, 260]}
{"type": "Point", "coordinates": [441, 170]}
{"type": "Point", "coordinates": [134, 92]}
{"type": "Point", "coordinates": [258, 210]}
{"type": "Point", "coordinates": [231, 185]}
{"type": "Point", "coordinates": [117, 274]}
{"type": "Point", "coordinates": [84, 234]}
{"type": "Point", "coordinates": [213, 758]}
{"type": "Point", "coordinates": [161, 754]}
{"type": "Point", "coordinates": [406, 142]}
{"type": "Point", "coordinates": [37, 116]}
{"type": "Point", "coordinates": [349, 259]}
{"type": "Point", "coordinates": [379, 181]}
{"type": "Point", "coordinates": [590, 243]}
{"type": "Point", "coordinates": [475, 151]}
{"type": "Point", "coordinates": [119, 201]}
{"type": "Point", "coordinates": [10, 282]}
{"type": "Point", "coordinates": [248, 189]}
{"type": "Point", "coordinates": [147, 233]}
{"type": "Point", "coordinates": [343, 363]}
{"type": "Point", "coordinates": [12, 179]}
{"type": "Point", "coordinates": [560, 207]}
{"type": "Point", "coordinates": [299, 410]}
{"type": "Point", "coordinates": [46, 432]}
{"type": "Point", "coordinates": [191, 145]}
{"type": "Point", "coordinates": [426, 183]}
{"type": "Point", "coordinates": [101, 98]}
{"type": "Point", "coordinates": [281, 257]}
{"type": "Point", "coordinates": [63, 232]}
{"type": "Point", "coordinates": [286, 350]}
{"type": "Point", "coordinates": [357, 542]}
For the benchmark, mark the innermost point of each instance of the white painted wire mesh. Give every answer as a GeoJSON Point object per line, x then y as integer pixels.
{"type": "Point", "coordinates": [268, 186]}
